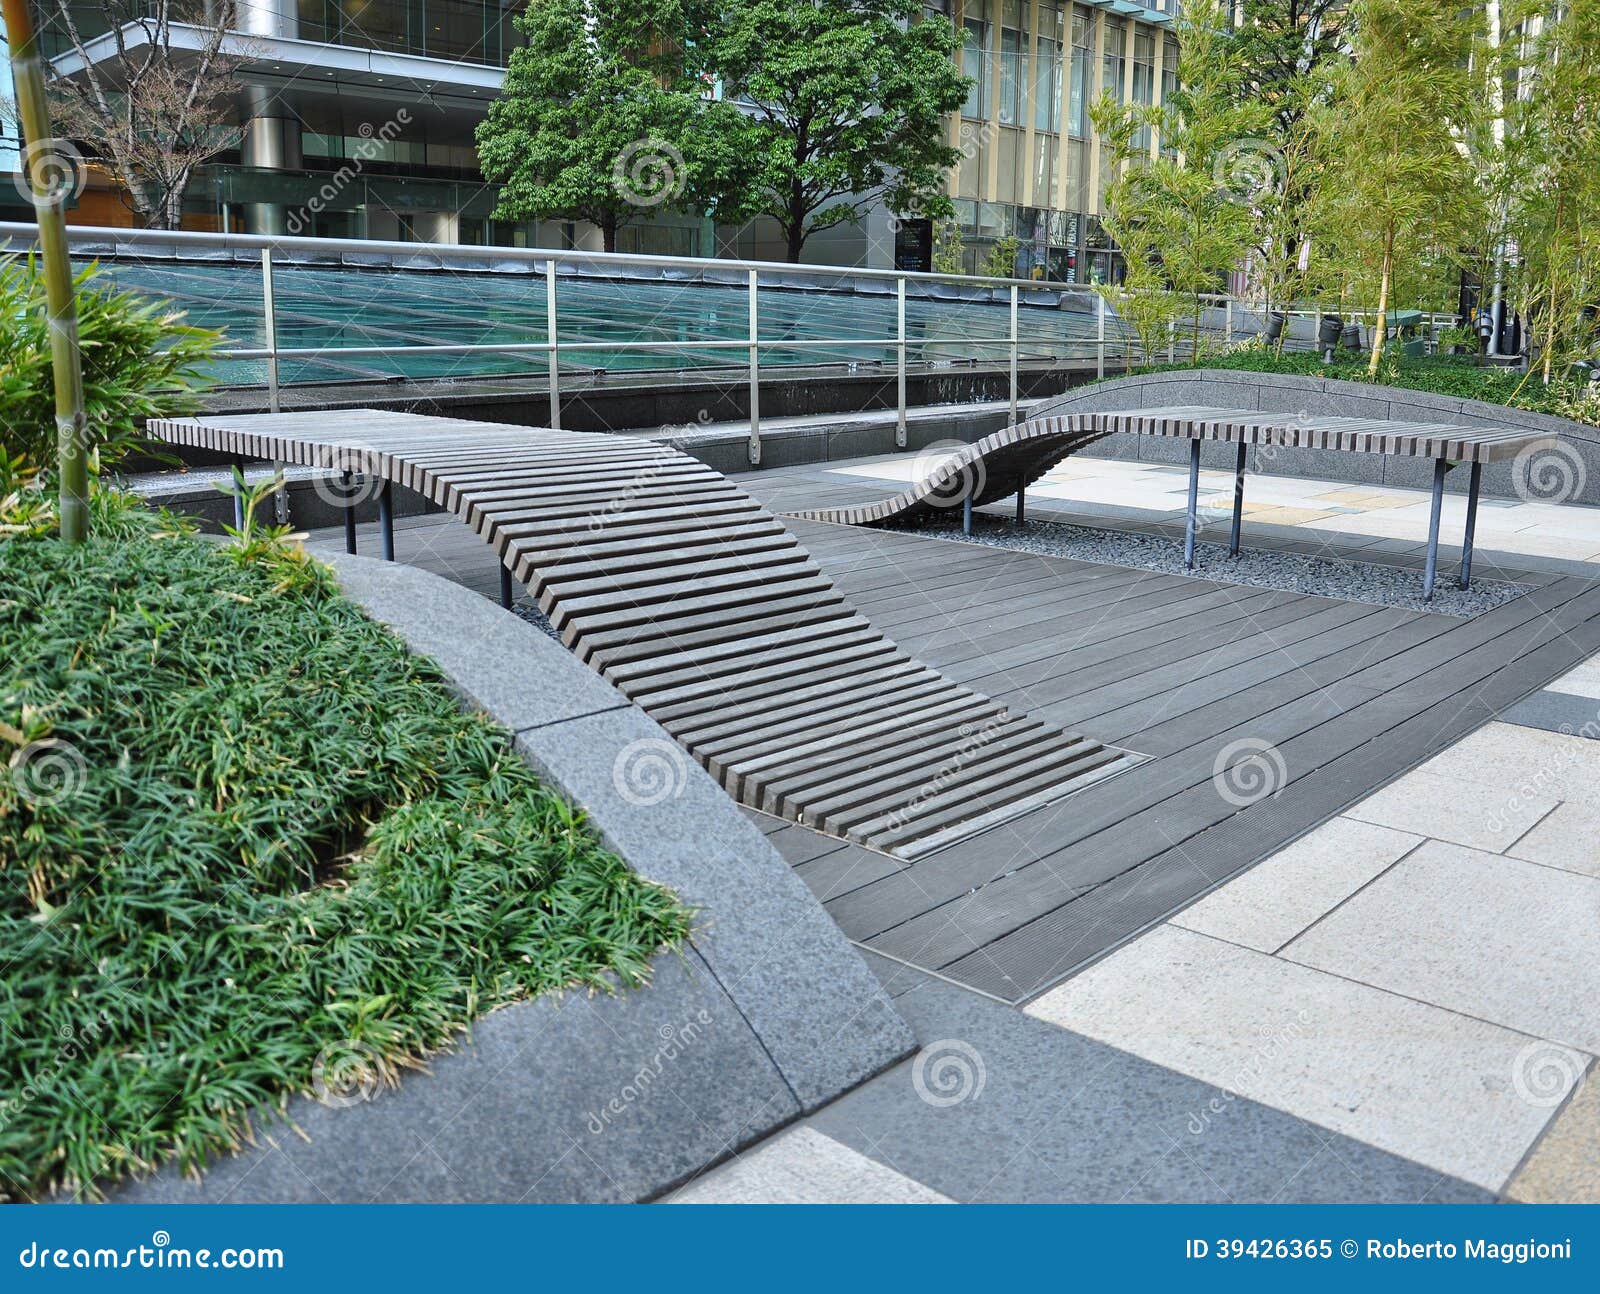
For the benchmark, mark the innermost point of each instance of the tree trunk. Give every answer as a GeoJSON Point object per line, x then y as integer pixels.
{"type": "Point", "coordinates": [1380, 333]}
{"type": "Point", "coordinates": [608, 234]}
{"type": "Point", "coordinates": [795, 232]}
{"type": "Point", "coordinates": [66, 360]}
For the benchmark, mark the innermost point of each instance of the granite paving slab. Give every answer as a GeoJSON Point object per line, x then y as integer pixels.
{"type": "Point", "coordinates": [1507, 941]}
{"type": "Point", "coordinates": [1274, 901]}
{"type": "Point", "coordinates": [1420, 1081]}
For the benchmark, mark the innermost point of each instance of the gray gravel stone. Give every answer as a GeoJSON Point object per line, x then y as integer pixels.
{"type": "Point", "coordinates": [1386, 586]}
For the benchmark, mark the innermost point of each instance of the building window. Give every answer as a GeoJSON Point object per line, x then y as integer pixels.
{"type": "Point", "coordinates": [1082, 70]}
{"type": "Point", "coordinates": [1047, 85]}
{"type": "Point", "coordinates": [975, 63]}
{"type": "Point", "coordinates": [1115, 71]}
{"type": "Point", "coordinates": [1144, 78]}
{"type": "Point", "coordinates": [1011, 42]}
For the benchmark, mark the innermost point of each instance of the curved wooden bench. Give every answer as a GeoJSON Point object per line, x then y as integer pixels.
{"type": "Point", "coordinates": [701, 608]}
{"type": "Point", "coordinates": [1010, 460]}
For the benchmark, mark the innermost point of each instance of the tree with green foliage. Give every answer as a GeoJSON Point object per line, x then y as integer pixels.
{"type": "Point", "coordinates": [1288, 51]}
{"type": "Point", "coordinates": [1401, 188]}
{"type": "Point", "coordinates": [140, 360]}
{"type": "Point", "coordinates": [949, 250]}
{"type": "Point", "coordinates": [1182, 217]}
{"type": "Point", "coordinates": [603, 118]}
{"type": "Point", "coordinates": [1001, 263]}
{"type": "Point", "coordinates": [1554, 217]}
{"type": "Point", "coordinates": [849, 100]}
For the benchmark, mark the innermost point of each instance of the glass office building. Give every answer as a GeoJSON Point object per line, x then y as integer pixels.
{"type": "Point", "coordinates": [1031, 165]}
{"type": "Point", "coordinates": [357, 121]}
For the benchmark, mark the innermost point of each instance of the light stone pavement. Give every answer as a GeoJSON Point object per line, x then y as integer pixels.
{"type": "Point", "coordinates": [1416, 981]}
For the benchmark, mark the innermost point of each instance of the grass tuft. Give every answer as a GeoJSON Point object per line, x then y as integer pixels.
{"type": "Point", "coordinates": [250, 846]}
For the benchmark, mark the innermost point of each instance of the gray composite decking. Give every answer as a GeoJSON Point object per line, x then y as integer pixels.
{"type": "Point", "coordinates": [1349, 695]}
{"type": "Point", "coordinates": [704, 610]}
{"type": "Point", "coordinates": [1352, 695]}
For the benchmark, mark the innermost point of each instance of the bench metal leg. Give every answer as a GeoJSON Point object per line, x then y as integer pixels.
{"type": "Point", "coordinates": [1022, 500]}
{"type": "Point", "coordinates": [386, 520]}
{"type": "Point", "coordinates": [1193, 521]}
{"type": "Point", "coordinates": [349, 492]}
{"type": "Point", "coordinates": [506, 595]}
{"type": "Point", "coordinates": [1238, 501]}
{"type": "Point", "coordinates": [1472, 525]}
{"type": "Point", "coordinates": [966, 513]}
{"type": "Point", "coordinates": [1432, 569]}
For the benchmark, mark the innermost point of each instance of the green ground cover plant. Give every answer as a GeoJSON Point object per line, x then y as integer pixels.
{"type": "Point", "coordinates": [250, 846]}
{"type": "Point", "coordinates": [1442, 374]}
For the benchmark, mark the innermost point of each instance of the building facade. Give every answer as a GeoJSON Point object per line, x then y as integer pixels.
{"type": "Point", "coordinates": [358, 115]}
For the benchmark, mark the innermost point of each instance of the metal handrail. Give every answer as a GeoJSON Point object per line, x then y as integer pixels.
{"type": "Point", "coordinates": [546, 262]}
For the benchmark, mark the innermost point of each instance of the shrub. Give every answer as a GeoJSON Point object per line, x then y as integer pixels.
{"type": "Point", "coordinates": [249, 845]}
{"type": "Point", "coordinates": [140, 360]}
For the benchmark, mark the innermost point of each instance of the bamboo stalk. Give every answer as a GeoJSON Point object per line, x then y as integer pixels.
{"type": "Point", "coordinates": [49, 205]}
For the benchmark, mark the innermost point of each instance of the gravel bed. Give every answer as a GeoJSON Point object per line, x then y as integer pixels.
{"type": "Point", "coordinates": [1386, 586]}
{"type": "Point", "coordinates": [535, 617]}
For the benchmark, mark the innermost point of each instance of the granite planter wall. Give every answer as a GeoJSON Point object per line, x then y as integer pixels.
{"type": "Point", "coordinates": [768, 1014]}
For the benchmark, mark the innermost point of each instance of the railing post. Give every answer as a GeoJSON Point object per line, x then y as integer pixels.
{"type": "Point", "coordinates": [900, 437]}
{"type": "Point", "coordinates": [1013, 421]}
{"type": "Point", "coordinates": [1172, 341]}
{"type": "Point", "coordinates": [1227, 321]}
{"type": "Point", "coordinates": [1099, 335]}
{"type": "Point", "coordinates": [755, 377]}
{"type": "Point", "coordinates": [551, 337]}
{"type": "Point", "coordinates": [269, 313]}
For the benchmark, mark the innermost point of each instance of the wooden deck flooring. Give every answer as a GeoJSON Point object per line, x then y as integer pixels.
{"type": "Point", "coordinates": [1346, 695]}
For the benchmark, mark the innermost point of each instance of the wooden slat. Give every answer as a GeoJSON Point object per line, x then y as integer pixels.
{"type": "Point", "coordinates": [698, 604]}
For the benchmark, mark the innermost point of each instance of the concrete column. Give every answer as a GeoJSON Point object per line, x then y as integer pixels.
{"type": "Point", "coordinates": [1097, 78]}
{"type": "Point", "coordinates": [1030, 92]}
{"type": "Point", "coordinates": [991, 157]}
{"type": "Point", "coordinates": [1064, 136]}
{"type": "Point", "coordinates": [1156, 97]}
{"type": "Point", "coordinates": [271, 139]}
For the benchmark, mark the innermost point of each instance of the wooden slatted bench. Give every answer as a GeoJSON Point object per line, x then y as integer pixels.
{"type": "Point", "coordinates": [700, 607]}
{"type": "Point", "coordinates": [1010, 460]}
